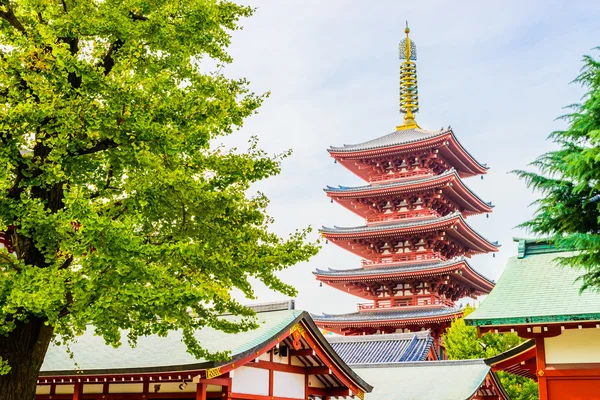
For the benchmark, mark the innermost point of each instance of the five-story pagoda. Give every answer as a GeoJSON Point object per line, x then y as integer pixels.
{"type": "Point", "coordinates": [415, 241]}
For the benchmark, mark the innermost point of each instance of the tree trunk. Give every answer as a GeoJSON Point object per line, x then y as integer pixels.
{"type": "Point", "coordinates": [24, 349]}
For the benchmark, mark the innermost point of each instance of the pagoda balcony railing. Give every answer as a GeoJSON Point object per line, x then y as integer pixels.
{"type": "Point", "coordinates": [414, 215]}
{"type": "Point", "coordinates": [397, 176]}
{"type": "Point", "coordinates": [407, 302]}
{"type": "Point", "coordinates": [400, 258]}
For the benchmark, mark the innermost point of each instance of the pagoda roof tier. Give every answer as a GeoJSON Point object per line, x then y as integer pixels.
{"type": "Point", "coordinates": [452, 225]}
{"type": "Point", "coordinates": [406, 141]}
{"type": "Point", "coordinates": [459, 269]}
{"type": "Point", "coordinates": [387, 319]}
{"type": "Point", "coordinates": [449, 183]}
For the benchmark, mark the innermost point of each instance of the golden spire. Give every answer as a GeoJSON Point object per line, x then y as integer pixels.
{"type": "Point", "coordinates": [409, 93]}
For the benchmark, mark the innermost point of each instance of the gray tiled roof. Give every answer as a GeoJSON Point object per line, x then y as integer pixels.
{"type": "Point", "coordinates": [425, 380]}
{"type": "Point", "coordinates": [375, 349]}
{"type": "Point", "coordinates": [383, 227]}
{"type": "Point", "coordinates": [373, 316]}
{"type": "Point", "coordinates": [388, 269]}
{"type": "Point", "coordinates": [391, 139]}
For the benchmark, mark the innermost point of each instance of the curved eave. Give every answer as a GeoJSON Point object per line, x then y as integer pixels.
{"type": "Point", "coordinates": [469, 275]}
{"type": "Point", "coordinates": [388, 322]}
{"type": "Point", "coordinates": [240, 358]}
{"type": "Point", "coordinates": [442, 181]}
{"type": "Point", "coordinates": [471, 165]}
{"type": "Point", "coordinates": [454, 222]}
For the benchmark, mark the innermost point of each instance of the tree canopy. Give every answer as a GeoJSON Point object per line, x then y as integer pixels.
{"type": "Point", "coordinates": [462, 342]}
{"type": "Point", "coordinates": [120, 209]}
{"type": "Point", "coordinates": [568, 180]}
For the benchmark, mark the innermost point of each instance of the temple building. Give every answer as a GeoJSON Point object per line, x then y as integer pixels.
{"type": "Point", "coordinates": [285, 358]}
{"type": "Point", "coordinates": [540, 299]}
{"type": "Point", "coordinates": [415, 242]}
{"type": "Point", "coordinates": [404, 366]}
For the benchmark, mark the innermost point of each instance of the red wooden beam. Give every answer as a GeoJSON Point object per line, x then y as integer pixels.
{"type": "Point", "coordinates": [301, 352]}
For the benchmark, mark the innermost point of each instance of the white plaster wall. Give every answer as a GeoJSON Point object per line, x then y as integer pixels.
{"type": "Point", "coordinates": [251, 381]}
{"type": "Point", "coordinates": [265, 357]}
{"type": "Point", "coordinates": [173, 387]}
{"type": "Point", "coordinates": [65, 389]}
{"type": "Point", "coordinates": [287, 384]}
{"type": "Point", "coordinates": [92, 388]}
{"type": "Point", "coordinates": [280, 360]}
{"type": "Point", "coordinates": [314, 382]}
{"type": "Point", "coordinates": [573, 346]}
{"type": "Point", "coordinates": [296, 361]}
{"type": "Point", "coordinates": [211, 388]}
{"type": "Point", "coordinates": [129, 387]}
{"type": "Point", "coordinates": [42, 389]}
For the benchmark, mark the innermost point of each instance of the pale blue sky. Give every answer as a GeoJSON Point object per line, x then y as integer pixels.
{"type": "Point", "coordinates": [497, 72]}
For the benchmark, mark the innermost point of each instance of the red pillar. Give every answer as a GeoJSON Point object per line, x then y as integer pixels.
{"type": "Point", "coordinates": [540, 356]}
{"type": "Point", "coordinates": [78, 390]}
{"type": "Point", "coordinates": [201, 391]}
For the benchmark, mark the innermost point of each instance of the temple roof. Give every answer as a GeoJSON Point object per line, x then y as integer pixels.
{"type": "Point", "coordinates": [406, 184]}
{"type": "Point", "coordinates": [384, 227]}
{"type": "Point", "coordinates": [535, 288]}
{"type": "Point", "coordinates": [392, 315]}
{"type": "Point", "coordinates": [520, 360]}
{"type": "Point", "coordinates": [388, 269]}
{"type": "Point", "coordinates": [374, 349]}
{"type": "Point", "coordinates": [407, 140]}
{"type": "Point", "coordinates": [155, 353]}
{"type": "Point", "coordinates": [355, 274]}
{"type": "Point", "coordinates": [439, 380]}
{"type": "Point", "coordinates": [392, 139]}
{"type": "Point", "coordinates": [402, 225]}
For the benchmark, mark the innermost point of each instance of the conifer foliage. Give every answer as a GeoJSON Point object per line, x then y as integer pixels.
{"type": "Point", "coordinates": [119, 210]}
{"type": "Point", "coordinates": [568, 180]}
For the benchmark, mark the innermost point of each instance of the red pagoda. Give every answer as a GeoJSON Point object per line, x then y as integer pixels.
{"type": "Point", "coordinates": [415, 242]}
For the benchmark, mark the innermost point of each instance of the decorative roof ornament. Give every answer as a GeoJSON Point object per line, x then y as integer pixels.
{"type": "Point", "coordinates": [409, 93]}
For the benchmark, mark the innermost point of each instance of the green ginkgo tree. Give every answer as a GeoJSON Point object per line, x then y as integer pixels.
{"type": "Point", "coordinates": [118, 209]}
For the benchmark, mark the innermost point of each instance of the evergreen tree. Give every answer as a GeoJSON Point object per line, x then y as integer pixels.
{"type": "Point", "coordinates": [462, 343]}
{"type": "Point", "coordinates": [119, 209]}
{"type": "Point", "coordinates": [569, 182]}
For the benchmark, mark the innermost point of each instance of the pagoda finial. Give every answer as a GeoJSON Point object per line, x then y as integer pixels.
{"type": "Point", "coordinates": [409, 94]}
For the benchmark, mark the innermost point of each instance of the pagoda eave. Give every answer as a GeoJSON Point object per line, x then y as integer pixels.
{"type": "Point", "coordinates": [446, 142]}
{"type": "Point", "coordinates": [452, 227]}
{"type": "Point", "coordinates": [459, 271]}
{"type": "Point", "coordinates": [342, 327]}
{"type": "Point", "coordinates": [448, 185]}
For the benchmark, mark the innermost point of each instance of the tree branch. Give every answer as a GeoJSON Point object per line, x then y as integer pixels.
{"type": "Point", "coordinates": [100, 146]}
{"type": "Point", "coordinates": [137, 17]}
{"type": "Point", "coordinates": [10, 17]}
{"type": "Point", "coordinates": [108, 61]}
{"type": "Point", "coordinates": [10, 261]}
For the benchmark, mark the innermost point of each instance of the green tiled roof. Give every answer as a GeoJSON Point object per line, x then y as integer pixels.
{"type": "Point", "coordinates": [426, 380]}
{"type": "Point", "coordinates": [161, 353]}
{"type": "Point", "coordinates": [534, 288]}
